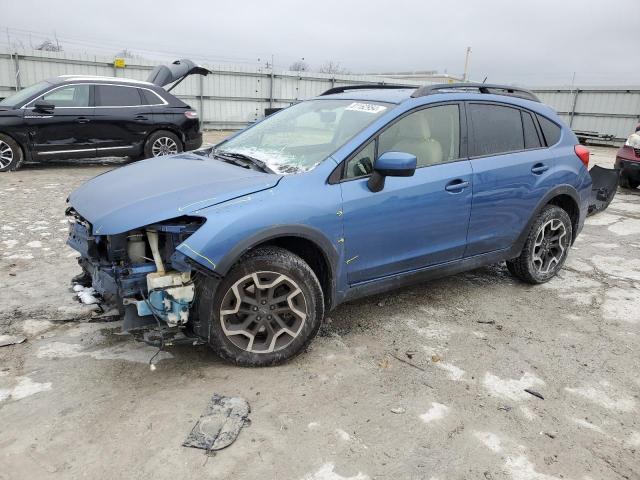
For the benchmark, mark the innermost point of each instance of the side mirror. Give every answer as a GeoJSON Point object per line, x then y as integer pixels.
{"type": "Point", "coordinates": [391, 164]}
{"type": "Point", "coordinates": [43, 107]}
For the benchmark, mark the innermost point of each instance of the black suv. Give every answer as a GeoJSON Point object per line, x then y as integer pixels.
{"type": "Point", "coordinates": [84, 116]}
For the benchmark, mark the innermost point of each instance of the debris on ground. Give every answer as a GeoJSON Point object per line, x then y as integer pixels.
{"type": "Point", "coordinates": [6, 340]}
{"type": "Point", "coordinates": [398, 410]}
{"type": "Point", "coordinates": [220, 424]}
{"type": "Point", "coordinates": [534, 393]}
{"type": "Point", "coordinates": [488, 322]}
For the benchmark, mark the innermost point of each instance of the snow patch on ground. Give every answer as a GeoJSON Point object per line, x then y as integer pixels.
{"type": "Point", "coordinates": [510, 389]}
{"type": "Point", "coordinates": [10, 243]}
{"type": "Point", "coordinates": [131, 352]}
{"type": "Point", "coordinates": [326, 472]}
{"type": "Point", "coordinates": [31, 328]}
{"type": "Point", "coordinates": [622, 304]}
{"type": "Point", "coordinates": [516, 464]}
{"type": "Point", "coordinates": [601, 219]}
{"type": "Point", "coordinates": [605, 396]}
{"type": "Point", "coordinates": [454, 372]}
{"type": "Point", "coordinates": [528, 413]}
{"type": "Point", "coordinates": [35, 244]}
{"type": "Point", "coordinates": [584, 423]}
{"type": "Point", "coordinates": [629, 226]}
{"type": "Point", "coordinates": [24, 388]}
{"type": "Point", "coordinates": [628, 268]}
{"type": "Point", "coordinates": [436, 412]}
{"type": "Point", "coordinates": [342, 435]}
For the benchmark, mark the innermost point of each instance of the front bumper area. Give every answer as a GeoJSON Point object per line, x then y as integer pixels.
{"type": "Point", "coordinates": [127, 271]}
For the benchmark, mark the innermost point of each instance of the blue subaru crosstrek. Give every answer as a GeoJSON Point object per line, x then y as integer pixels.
{"type": "Point", "coordinates": [246, 245]}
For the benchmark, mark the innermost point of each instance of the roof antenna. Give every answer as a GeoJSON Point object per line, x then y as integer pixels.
{"type": "Point", "coordinates": [485, 80]}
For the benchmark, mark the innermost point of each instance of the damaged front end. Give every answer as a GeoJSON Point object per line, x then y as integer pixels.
{"type": "Point", "coordinates": [141, 274]}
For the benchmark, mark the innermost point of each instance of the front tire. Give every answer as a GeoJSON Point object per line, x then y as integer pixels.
{"type": "Point", "coordinates": [11, 155]}
{"type": "Point", "coordinates": [546, 247]}
{"type": "Point", "coordinates": [266, 310]}
{"type": "Point", "coordinates": [162, 143]}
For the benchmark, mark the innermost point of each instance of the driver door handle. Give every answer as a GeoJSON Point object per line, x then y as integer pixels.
{"type": "Point", "coordinates": [141, 118]}
{"type": "Point", "coordinates": [456, 186]}
{"type": "Point", "coordinates": [83, 119]}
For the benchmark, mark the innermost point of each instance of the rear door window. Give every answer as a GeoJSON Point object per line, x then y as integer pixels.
{"type": "Point", "coordinates": [497, 129]}
{"type": "Point", "coordinates": [550, 130]}
{"type": "Point", "coordinates": [531, 138]}
{"type": "Point", "coordinates": [116, 96]}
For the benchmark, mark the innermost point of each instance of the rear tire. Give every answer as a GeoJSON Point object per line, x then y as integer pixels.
{"type": "Point", "coordinates": [11, 155]}
{"type": "Point", "coordinates": [626, 182]}
{"type": "Point", "coordinates": [265, 311]}
{"type": "Point", "coordinates": [162, 143]}
{"type": "Point", "coordinates": [546, 247]}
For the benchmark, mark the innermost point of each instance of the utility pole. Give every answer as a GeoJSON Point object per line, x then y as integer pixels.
{"type": "Point", "coordinates": [465, 76]}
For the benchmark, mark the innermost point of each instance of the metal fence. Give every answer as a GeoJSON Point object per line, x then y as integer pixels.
{"type": "Point", "coordinates": [234, 95]}
{"type": "Point", "coordinates": [607, 110]}
{"type": "Point", "coordinates": [229, 98]}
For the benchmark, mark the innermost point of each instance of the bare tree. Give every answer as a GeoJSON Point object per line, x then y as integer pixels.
{"type": "Point", "coordinates": [299, 66]}
{"type": "Point", "coordinates": [49, 46]}
{"type": "Point", "coordinates": [332, 67]}
{"type": "Point", "coordinates": [126, 53]}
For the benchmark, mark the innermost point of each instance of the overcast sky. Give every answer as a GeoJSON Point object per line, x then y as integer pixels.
{"type": "Point", "coordinates": [526, 42]}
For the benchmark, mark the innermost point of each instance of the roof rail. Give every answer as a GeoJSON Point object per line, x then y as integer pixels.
{"type": "Point", "coordinates": [345, 88]}
{"type": "Point", "coordinates": [479, 88]}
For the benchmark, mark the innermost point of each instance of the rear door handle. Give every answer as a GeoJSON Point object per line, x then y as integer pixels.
{"type": "Point", "coordinates": [83, 119]}
{"type": "Point", "coordinates": [539, 168]}
{"type": "Point", "coordinates": [456, 185]}
{"type": "Point", "coordinates": [141, 118]}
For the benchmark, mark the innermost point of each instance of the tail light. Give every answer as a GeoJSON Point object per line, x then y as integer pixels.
{"type": "Point", "coordinates": [191, 114]}
{"type": "Point", "coordinates": [583, 154]}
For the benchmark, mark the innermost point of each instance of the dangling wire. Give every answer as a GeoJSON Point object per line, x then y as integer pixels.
{"type": "Point", "coordinates": [161, 347]}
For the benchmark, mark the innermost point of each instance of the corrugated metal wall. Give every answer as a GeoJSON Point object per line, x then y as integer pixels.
{"type": "Point", "coordinates": [606, 110]}
{"type": "Point", "coordinates": [235, 95]}
{"type": "Point", "coordinates": [229, 98]}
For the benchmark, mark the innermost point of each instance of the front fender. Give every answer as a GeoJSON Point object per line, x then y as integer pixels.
{"type": "Point", "coordinates": [234, 227]}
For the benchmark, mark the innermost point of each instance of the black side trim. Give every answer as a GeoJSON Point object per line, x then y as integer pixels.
{"type": "Point", "coordinates": [429, 273]}
{"type": "Point", "coordinates": [302, 231]}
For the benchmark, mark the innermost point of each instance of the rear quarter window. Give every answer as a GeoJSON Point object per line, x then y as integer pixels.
{"type": "Point", "coordinates": [550, 130]}
{"type": "Point", "coordinates": [150, 98]}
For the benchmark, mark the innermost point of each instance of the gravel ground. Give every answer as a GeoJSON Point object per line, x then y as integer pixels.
{"type": "Point", "coordinates": [421, 383]}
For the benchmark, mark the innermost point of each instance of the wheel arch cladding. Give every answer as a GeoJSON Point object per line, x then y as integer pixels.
{"type": "Point", "coordinates": [564, 196]}
{"type": "Point", "coordinates": [569, 205]}
{"type": "Point", "coordinates": [313, 255]}
{"type": "Point", "coordinates": [306, 242]}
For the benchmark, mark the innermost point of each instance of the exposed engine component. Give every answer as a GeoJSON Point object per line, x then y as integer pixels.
{"type": "Point", "coordinates": [170, 296]}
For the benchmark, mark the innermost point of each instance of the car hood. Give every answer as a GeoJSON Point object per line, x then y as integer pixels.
{"type": "Point", "coordinates": [160, 189]}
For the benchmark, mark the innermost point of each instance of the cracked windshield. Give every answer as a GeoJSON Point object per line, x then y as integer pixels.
{"type": "Point", "coordinates": [298, 138]}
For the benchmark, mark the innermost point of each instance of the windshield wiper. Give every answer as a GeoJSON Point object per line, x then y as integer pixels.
{"type": "Point", "coordinates": [248, 160]}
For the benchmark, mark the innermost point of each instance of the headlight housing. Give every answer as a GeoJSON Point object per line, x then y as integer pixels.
{"type": "Point", "coordinates": [633, 141]}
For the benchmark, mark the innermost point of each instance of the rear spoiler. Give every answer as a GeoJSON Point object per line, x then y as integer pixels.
{"type": "Point", "coordinates": [163, 75]}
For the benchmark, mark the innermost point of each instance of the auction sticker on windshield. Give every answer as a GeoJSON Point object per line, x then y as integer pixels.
{"type": "Point", "coordinates": [366, 107]}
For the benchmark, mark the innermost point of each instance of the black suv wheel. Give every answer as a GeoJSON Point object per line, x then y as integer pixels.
{"type": "Point", "coordinates": [162, 143]}
{"type": "Point", "coordinates": [10, 154]}
{"type": "Point", "coordinates": [546, 248]}
{"type": "Point", "coordinates": [266, 310]}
